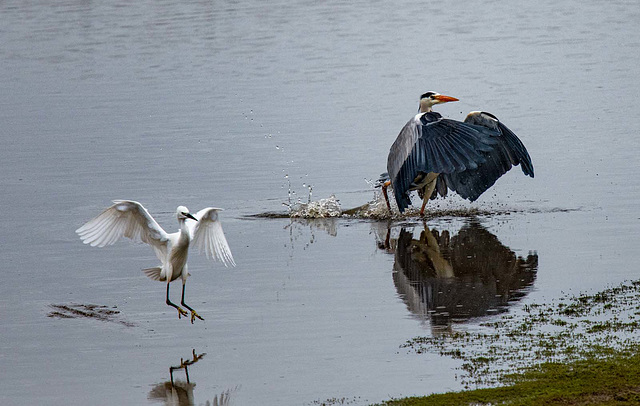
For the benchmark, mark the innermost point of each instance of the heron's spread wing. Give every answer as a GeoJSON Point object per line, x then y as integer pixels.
{"type": "Point", "coordinates": [508, 151]}
{"type": "Point", "coordinates": [207, 236]}
{"type": "Point", "coordinates": [507, 140]}
{"type": "Point", "coordinates": [125, 218]}
{"type": "Point", "coordinates": [428, 143]}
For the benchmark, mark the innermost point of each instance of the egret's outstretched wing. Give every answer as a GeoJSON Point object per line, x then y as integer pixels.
{"type": "Point", "coordinates": [207, 236]}
{"type": "Point", "coordinates": [125, 218]}
{"type": "Point", "coordinates": [507, 152]}
{"type": "Point", "coordinates": [428, 143]}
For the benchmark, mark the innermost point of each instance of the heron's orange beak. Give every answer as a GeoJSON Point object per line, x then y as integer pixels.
{"type": "Point", "coordinates": [443, 99]}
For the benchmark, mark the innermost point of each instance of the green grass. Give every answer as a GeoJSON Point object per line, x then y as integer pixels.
{"type": "Point", "coordinates": [576, 350]}
{"type": "Point", "coordinates": [611, 381]}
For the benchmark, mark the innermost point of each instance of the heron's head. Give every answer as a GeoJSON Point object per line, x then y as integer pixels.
{"type": "Point", "coordinates": [183, 213]}
{"type": "Point", "coordinates": [430, 99]}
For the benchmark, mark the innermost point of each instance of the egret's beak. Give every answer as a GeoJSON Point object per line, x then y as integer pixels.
{"type": "Point", "coordinates": [444, 99]}
{"type": "Point", "coordinates": [189, 215]}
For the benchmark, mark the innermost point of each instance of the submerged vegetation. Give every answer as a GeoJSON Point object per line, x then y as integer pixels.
{"type": "Point", "coordinates": [87, 311]}
{"type": "Point", "coordinates": [576, 350]}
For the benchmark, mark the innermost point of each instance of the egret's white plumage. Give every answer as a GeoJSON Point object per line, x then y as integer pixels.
{"type": "Point", "coordinates": [207, 236]}
{"type": "Point", "coordinates": [127, 218]}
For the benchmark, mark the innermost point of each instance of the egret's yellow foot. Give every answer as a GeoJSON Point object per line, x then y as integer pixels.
{"type": "Point", "coordinates": [181, 312]}
{"type": "Point", "coordinates": [194, 315]}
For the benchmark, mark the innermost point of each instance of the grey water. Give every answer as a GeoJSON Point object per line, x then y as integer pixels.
{"type": "Point", "coordinates": [245, 106]}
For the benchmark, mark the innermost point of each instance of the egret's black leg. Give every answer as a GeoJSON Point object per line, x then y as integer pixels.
{"type": "Point", "coordinates": [181, 311]}
{"type": "Point", "coordinates": [186, 373]}
{"type": "Point", "coordinates": [193, 312]}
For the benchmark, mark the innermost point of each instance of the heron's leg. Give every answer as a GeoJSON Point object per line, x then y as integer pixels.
{"type": "Point", "coordinates": [181, 311]}
{"type": "Point", "coordinates": [424, 203]}
{"type": "Point", "coordinates": [193, 312]}
{"type": "Point", "coordinates": [385, 185]}
{"type": "Point", "coordinates": [387, 239]}
{"type": "Point", "coordinates": [428, 191]}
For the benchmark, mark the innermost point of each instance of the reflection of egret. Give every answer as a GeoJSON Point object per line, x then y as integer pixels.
{"type": "Point", "coordinates": [433, 154]}
{"type": "Point", "coordinates": [130, 219]}
{"type": "Point", "coordinates": [180, 393]}
{"type": "Point", "coordinates": [471, 274]}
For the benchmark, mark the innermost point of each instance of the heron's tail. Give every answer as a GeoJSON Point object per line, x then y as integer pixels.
{"type": "Point", "coordinates": [153, 273]}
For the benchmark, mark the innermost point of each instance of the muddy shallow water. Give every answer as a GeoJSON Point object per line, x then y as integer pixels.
{"type": "Point", "coordinates": [247, 106]}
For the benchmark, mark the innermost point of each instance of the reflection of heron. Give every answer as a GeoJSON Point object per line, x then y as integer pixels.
{"type": "Point", "coordinates": [130, 219]}
{"type": "Point", "coordinates": [433, 154]}
{"type": "Point", "coordinates": [471, 274]}
{"type": "Point", "coordinates": [180, 393]}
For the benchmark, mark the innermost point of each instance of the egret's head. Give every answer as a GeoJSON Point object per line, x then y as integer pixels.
{"type": "Point", "coordinates": [430, 99]}
{"type": "Point", "coordinates": [183, 213]}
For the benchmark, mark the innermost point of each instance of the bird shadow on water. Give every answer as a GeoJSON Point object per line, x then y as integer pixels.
{"type": "Point", "coordinates": [446, 278]}
{"type": "Point", "coordinates": [180, 392]}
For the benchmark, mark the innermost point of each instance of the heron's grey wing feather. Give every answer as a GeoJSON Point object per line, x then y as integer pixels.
{"type": "Point", "coordinates": [470, 184]}
{"type": "Point", "coordinates": [125, 218]}
{"type": "Point", "coordinates": [429, 143]}
{"type": "Point", "coordinates": [517, 150]}
{"type": "Point", "coordinates": [507, 152]}
{"type": "Point", "coordinates": [441, 188]}
{"type": "Point", "coordinates": [207, 235]}
{"type": "Point", "coordinates": [518, 154]}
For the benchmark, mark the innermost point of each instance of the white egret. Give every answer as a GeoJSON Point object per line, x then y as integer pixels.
{"type": "Point", "coordinates": [130, 219]}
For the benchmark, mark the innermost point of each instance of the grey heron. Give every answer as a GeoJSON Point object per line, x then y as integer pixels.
{"type": "Point", "coordinates": [433, 154]}
{"type": "Point", "coordinates": [127, 218]}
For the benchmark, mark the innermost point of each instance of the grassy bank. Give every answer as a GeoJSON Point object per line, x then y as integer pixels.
{"type": "Point", "coordinates": [611, 381]}
{"type": "Point", "coordinates": [576, 350]}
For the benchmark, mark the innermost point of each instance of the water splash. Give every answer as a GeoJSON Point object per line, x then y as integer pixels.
{"type": "Point", "coordinates": [323, 208]}
{"type": "Point", "coordinates": [376, 209]}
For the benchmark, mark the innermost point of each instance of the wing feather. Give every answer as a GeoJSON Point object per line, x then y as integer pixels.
{"type": "Point", "coordinates": [428, 143]}
{"type": "Point", "coordinates": [510, 143]}
{"type": "Point", "coordinates": [507, 151]}
{"type": "Point", "coordinates": [125, 218]}
{"type": "Point", "coordinates": [208, 237]}
{"type": "Point", "coordinates": [457, 157]}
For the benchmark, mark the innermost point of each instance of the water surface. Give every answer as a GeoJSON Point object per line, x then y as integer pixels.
{"type": "Point", "coordinates": [236, 105]}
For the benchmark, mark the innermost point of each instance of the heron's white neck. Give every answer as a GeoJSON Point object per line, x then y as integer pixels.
{"type": "Point", "coordinates": [425, 106]}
